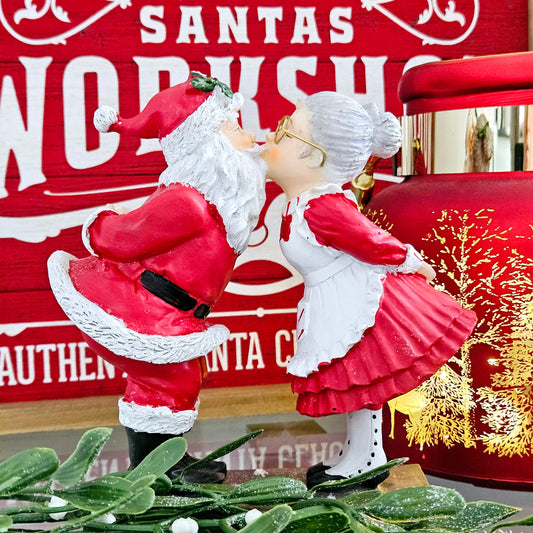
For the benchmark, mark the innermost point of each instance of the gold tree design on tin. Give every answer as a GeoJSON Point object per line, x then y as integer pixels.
{"type": "Point", "coordinates": [476, 274]}
{"type": "Point", "coordinates": [508, 404]}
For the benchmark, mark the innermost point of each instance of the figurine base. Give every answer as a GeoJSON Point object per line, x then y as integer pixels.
{"type": "Point", "coordinates": [401, 477]}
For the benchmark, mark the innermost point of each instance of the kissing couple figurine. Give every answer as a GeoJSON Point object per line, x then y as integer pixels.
{"type": "Point", "coordinates": [369, 325]}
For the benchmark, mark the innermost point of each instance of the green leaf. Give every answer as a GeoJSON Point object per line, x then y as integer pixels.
{"type": "Point", "coordinates": [108, 491]}
{"type": "Point", "coordinates": [158, 461]}
{"type": "Point", "coordinates": [375, 524]}
{"type": "Point", "coordinates": [26, 468]}
{"type": "Point", "coordinates": [357, 480]}
{"type": "Point", "coordinates": [180, 502]}
{"type": "Point", "coordinates": [358, 527]}
{"type": "Point", "coordinates": [139, 503]}
{"type": "Point", "coordinates": [416, 503]}
{"type": "Point", "coordinates": [267, 491]}
{"type": "Point", "coordinates": [224, 450]}
{"type": "Point", "coordinates": [201, 82]}
{"type": "Point", "coordinates": [317, 519]}
{"type": "Point", "coordinates": [359, 499]}
{"type": "Point", "coordinates": [74, 469]}
{"type": "Point", "coordinates": [162, 484]}
{"type": "Point", "coordinates": [472, 518]}
{"type": "Point", "coordinates": [273, 521]}
{"type": "Point", "coordinates": [528, 521]}
{"type": "Point", "coordinates": [5, 523]}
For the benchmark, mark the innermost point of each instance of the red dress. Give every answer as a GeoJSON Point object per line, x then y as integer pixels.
{"type": "Point", "coordinates": [413, 331]}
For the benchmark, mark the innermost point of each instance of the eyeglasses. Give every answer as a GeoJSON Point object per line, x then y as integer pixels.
{"type": "Point", "coordinates": [282, 130]}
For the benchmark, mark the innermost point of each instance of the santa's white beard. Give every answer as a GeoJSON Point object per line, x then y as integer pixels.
{"type": "Point", "coordinates": [232, 180]}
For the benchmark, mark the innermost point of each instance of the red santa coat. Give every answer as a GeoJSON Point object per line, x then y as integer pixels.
{"type": "Point", "coordinates": [175, 234]}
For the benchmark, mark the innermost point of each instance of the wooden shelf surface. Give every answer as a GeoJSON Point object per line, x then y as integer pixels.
{"type": "Point", "coordinates": [76, 413]}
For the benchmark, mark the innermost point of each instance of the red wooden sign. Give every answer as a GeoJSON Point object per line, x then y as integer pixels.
{"type": "Point", "coordinates": [61, 59]}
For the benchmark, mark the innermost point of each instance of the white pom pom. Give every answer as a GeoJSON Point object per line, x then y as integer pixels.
{"type": "Point", "coordinates": [108, 518]}
{"type": "Point", "coordinates": [104, 116]}
{"type": "Point", "coordinates": [252, 515]}
{"type": "Point", "coordinates": [184, 525]}
{"type": "Point", "coordinates": [55, 501]}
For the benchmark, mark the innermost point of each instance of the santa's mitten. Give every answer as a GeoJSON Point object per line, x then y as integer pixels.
{"type": "Point", "coordinates": [104, 118]}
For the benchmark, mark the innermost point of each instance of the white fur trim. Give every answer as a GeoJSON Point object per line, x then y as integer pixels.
{"type": "Point", "coordinates": [85, 234]}
{"type": "Point", "coordinates": [413, 261]}
{"type": "Point", "coordinates": [155, 419]}
{"type": "Point", "coordinates": [198, 126]}
{"type": "Point", "coordinates": [104, 116]}
{"type": "Point", "coordinates": [112, 333]}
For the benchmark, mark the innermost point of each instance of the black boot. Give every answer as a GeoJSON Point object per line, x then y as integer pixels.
{"type": "Point", "coordinates": [141, 444]}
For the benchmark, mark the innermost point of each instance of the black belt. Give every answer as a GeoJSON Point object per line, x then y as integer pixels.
{"type": "Point", "coordinates": [172, 294]}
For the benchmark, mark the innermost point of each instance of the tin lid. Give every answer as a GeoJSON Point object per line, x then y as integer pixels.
{"type": "Point", "coordinates": [495, 80]}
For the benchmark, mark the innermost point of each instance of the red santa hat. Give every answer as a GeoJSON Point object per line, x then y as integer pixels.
{"type": "Point", "coordinates": [170, 108]}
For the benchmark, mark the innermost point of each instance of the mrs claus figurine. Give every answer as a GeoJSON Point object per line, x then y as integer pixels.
{"type": "Point", "coordinates": [369, 325]}
{"type": "Point", "coordinates": [142, 295]}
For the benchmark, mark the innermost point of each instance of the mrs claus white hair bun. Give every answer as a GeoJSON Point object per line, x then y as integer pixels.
{"type": "Point", "coordinates": [387, 132]}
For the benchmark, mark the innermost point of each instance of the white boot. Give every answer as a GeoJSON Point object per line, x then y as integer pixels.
{"type": "Point", "coordinates": [334, 459]}
{"type": "Point", "coordinates": [364, 450]}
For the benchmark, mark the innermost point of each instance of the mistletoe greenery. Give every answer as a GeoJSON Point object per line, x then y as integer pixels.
{"type": "Point", "coordinates": [203, 83]}
{"type": "Point", "coordinates": [145, 499]}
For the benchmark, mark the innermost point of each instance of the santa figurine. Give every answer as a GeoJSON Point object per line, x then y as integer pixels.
{"type": "Point", "coordinates": [369, 326]}
{"type": "Point", "coordinates": [142, 296]}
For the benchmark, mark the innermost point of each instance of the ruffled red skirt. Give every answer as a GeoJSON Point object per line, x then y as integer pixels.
{"type": "Point", "coordinates": [416, 330]}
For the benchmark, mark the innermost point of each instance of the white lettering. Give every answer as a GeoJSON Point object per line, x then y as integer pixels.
{"type": "Point", "coordinates": [65, 362]}
{"type": "Point", "coordinates": [258, 461]}
{"type": "Point", "coordinates": [287, 69]}
{"type": "Point", "coordinates": [191, 24]}
{"type": "Point", "coordinates": [154, 30]}
{"type": "Point", "coordinates": [305, 24]}
{"type": "Point", "coordinates": [25, 142]}
{"type": "Point", "coordinates": [282, 360]}
{"type": "Point", "coordinates": [218, 355]}
{"type": "Point", "coordinates": [76, 152]}
{"type": "Point", "coordinates": [339, 18]}
{"type": "Point", "coordinates": [46, 349]}
{"type": "Point", "coordinates": [238, 27]}
{"type": "Point", "coordinates": [419, 60]}
{"type": "Point", "coordinates": [301, 449]}
{"type": "Point", "coordinates": [104, 369]}
{"type": "Point", "coordinates": [318, 456]}
{"type": "Point", "coordinates": [238, 338]}
{"type": "Point", "coordinates": [248, 87]}
{"type": "Point", "coordinates": [21, 378]}
{"type": "Point", "coordinates": [270, 15]}
{"type": "Point", "coordinates": [84, 361]}
{"type": "Point", "coordinates": [6, 367]}
{"type": "Point", "coordinates": [374, 77]}
{"type": "Point", "coordinates": [254, 352]}
{"type": "Point", "coordinates": [285, 453]}
{"type": "Point", "coordinates": [220, 67]}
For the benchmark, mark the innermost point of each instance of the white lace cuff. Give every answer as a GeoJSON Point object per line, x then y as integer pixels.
{"type": "Point", "coordinates": [413, 261]}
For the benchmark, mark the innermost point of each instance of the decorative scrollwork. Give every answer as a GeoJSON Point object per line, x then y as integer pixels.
{"type": "Point", "coordinates": [448, 15]}
{"type": "Point", "coordinates": [31, 12]}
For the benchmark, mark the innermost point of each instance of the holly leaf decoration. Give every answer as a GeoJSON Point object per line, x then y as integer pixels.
{"type": "Point", "coordinates": [204, 83]}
